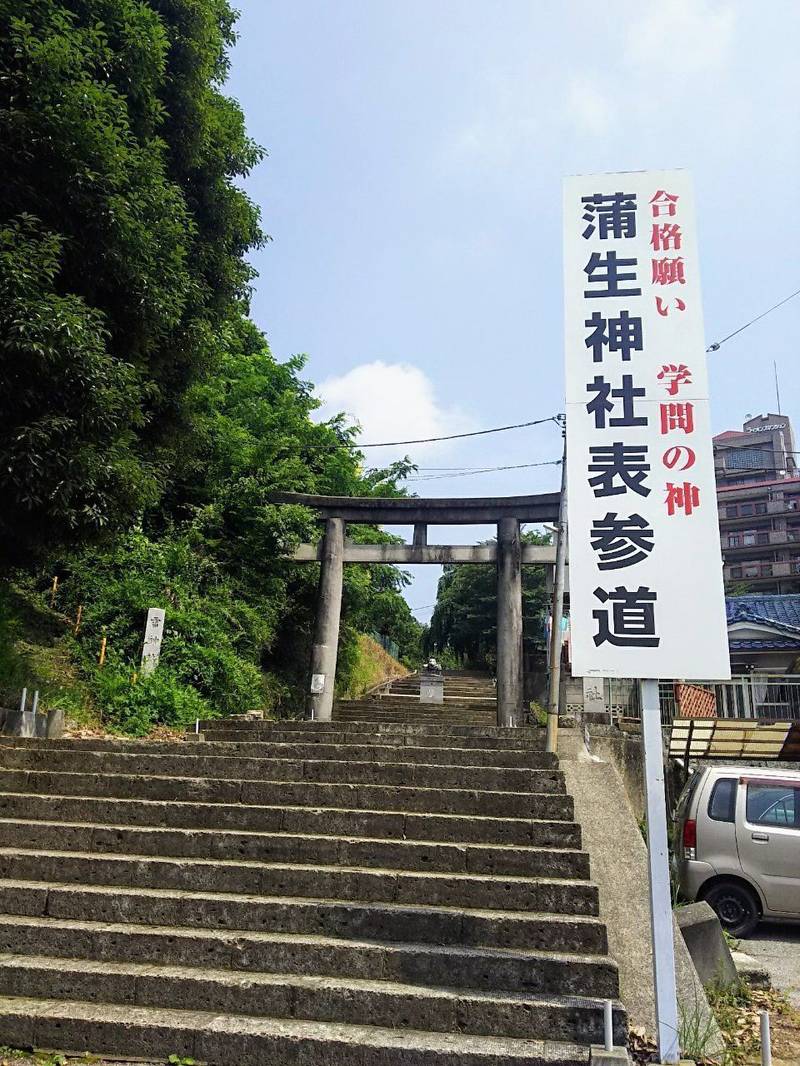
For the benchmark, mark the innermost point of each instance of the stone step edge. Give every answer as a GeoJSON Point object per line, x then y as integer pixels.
{"type": "Point", "coordinates": [197, 1033]}
{"type": "Point", "coordinates": [486, 819]}
{"type": "Point", "coordinates": [307, 981]}
{"type": "Point", "coordinates": [198, 749]}
{"type": "Point", "coordinates": [182, 860]}
{"type": "Point", "coordinates": [346, 838]}
{"type": "Point", "coordinates": [192, 753]}
{"type": "Point", "coordinates": [251, 782]}
{"type": "Point", "coordinates": [164, 981]}
{"type": "Point", "coordinates": [24, 887]}
{"type": "Point", "coordinates": [228, 935]}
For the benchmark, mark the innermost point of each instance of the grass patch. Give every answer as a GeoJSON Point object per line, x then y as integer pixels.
{"type": "Point", "coordinates": [737, 1011]}
{"type": "Point", "coordinates": [371, 666]}
{"type": "Point", "coordinates": [36, 652]}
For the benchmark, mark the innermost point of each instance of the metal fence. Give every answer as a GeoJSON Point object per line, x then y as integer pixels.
{"type": "Point", "coordinates": [773, 696]}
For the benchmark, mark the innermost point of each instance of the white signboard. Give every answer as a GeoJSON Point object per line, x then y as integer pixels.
{"type": "Point", "coordinates": [153, 633]}
{"type": "Point", "coordinates": [646, 592]}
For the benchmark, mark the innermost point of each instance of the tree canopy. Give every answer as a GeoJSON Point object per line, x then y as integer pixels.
{"type": "Point", "coordinates": [464, 620]}
{"type": "Point", "coordinates": [122, 250]}
{"type": "Point", "coordinates": [144, 422]}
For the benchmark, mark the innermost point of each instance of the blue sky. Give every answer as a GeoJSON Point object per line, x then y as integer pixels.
{"type": "Point", "coordinates": [413, 189]}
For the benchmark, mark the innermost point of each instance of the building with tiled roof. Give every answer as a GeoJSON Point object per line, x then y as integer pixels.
{"type": "Point", "coordinates": [764, 633]}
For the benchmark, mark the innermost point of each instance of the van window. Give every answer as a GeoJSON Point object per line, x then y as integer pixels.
{"type": "Point", "coordinates": [772, 805]}
{"type": "Point", "coordinates": [722, 805]}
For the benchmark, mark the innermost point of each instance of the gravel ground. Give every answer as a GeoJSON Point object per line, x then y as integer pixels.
{"type": "Point", "coordinates": [777, 948]}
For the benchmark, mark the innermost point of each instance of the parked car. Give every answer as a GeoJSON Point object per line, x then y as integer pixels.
{"type": "Point", "coordinates": [737, 844]}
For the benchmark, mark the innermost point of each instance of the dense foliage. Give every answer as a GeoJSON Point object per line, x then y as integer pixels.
{"type": "Point", "coordinates": [144, 422]}
{"type": "Point", "coordinates": [122, 242]}
{"type": "Point", "coordinates": [464, 621]}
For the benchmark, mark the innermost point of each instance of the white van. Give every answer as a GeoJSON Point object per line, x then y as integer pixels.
{"type": "Point", "coordinates": [737, 844]}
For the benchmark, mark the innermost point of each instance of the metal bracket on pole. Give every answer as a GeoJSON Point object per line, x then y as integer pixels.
{"type": "Point", "coordinates": [658, 867]}
{"type": "Point", "coordinates": [558, 607]}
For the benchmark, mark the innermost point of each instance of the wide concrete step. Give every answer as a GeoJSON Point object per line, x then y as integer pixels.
{"type": "Point", "coordinates": [391, 715]}
{"type": "Point", "coordinates": [393, 825]}
{"type": "Point", "coordinates": [411, 700]}
{"type": "Point", "coordinates": [353, 733]}
{"type": "Point", "coordinates": [530, 736]}
{"type": "Point", "coordinates": [449, 702]}
{"type": "Point", "coordinates": [343, 919]}
{"type": "Point", "coordinates": [451, 692]}
{"type": "Point", "coordinates": [228, 1039]}
{"type": "Point", "coordinates": [370, 884]}
{"type": "Point", "coordinates": [408, 855]}
{"type": "Point", "coordinates": [451, 966]}
{"type": "Point", "coordinates": [340, 771]}
{"type": "Point", "coordinates": [548, 806]}
{"type": "Point", "coordinates": [353, 1001]}
{"type": "Point", "coordinates": [307, 747]}
{"type": "Point", "coordinates": [380, 711]}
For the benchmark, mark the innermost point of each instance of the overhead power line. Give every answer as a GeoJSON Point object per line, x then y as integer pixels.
{"type": "Point", "coordinates": [458, 436]}
{"type": "Point", "coordinates": [718, 344]}
{"type": "Point", "coordinates": [483, 470]}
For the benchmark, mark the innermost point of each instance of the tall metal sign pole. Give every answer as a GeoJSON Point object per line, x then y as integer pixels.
{"type": "Point", "coordinates": [556, 614]}
{"type": "Point", "coordinates": [646, 592]}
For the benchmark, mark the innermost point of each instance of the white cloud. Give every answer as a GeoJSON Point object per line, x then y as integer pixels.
{"type": "Point", "coordinates": [588, 106]}
{"type": "Point", "coordinates": [392, 401]}
{"type": "Point", "coordinates": [507, 123]}
{"type": "Point", "coordinates": [681, 37]}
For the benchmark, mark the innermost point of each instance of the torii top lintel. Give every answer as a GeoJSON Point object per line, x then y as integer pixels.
{"type": "Point", "coordinates": [413, 510]}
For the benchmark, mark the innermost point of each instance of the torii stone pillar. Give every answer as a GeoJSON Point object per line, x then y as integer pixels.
{"type": "Point", "coordinates": [509, 622]}
{"type": "Point", "coordinates": [326, 624]}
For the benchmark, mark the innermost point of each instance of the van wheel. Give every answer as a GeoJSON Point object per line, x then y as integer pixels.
{"type": "Point", "coordinates": [736, 907]}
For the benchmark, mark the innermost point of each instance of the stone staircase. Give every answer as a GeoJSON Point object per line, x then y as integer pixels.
{"type": "Point", "coordinates": [469, 699]}
{"type": "Point", "coordinates": [300, 893]}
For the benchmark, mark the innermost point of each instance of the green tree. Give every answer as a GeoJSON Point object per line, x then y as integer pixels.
{"type": "Point", "coordinates": [122, 250]}
{"type": "Point", "coordinates": [144, 423]}
{"type": "Point", "coordinates": [464, 620]}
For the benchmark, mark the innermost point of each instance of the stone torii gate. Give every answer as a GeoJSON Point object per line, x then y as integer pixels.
{"type": "Point", "coordinates": [506, 512]}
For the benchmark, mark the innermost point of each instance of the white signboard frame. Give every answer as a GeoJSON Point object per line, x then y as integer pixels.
{"type": "Point", "coordinates": [646, 587]}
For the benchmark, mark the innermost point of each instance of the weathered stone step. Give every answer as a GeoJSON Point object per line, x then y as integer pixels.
{"type": "Point", "coordinates": [316, 748]}
{"type": "Point", "coordinates": [209, 1037]}
{"type": "Point", "coordinates": [499, 892]}
{"type": "Point", "coordinates": [292, 793]}
{"type": "Point", "coordinates": [394, 825]}
{"type": "Point", "coordinates": [528, 735]}
{"type": "Point", "coordinates": [349, 920]}
{"type": "Point", "coordinates": [412, 713]}
{"type": "Point", "coordinates": [270, 767]}
{"type": "Point", "coordinates": [306, 849]}
{"type": "Point", "coordinates": [344, 733]}
{"type": "Point", "coordinates": [449, 966]}
{"type": "Point", "coordinates": [409, 705]}
{"type": "Point", "coordinates": [412, 717]}
{"type": "Point", "coordinates": [452, 705]}
{"type": "Point", "coordinates": [312, 998]}
{"type": "Point", "coordinates": [457, 699]}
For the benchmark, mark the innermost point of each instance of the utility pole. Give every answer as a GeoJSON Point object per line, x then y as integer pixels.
{"type": "Point", "coordinates": [558, 603]}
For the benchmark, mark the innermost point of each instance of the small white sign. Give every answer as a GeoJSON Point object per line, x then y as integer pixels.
{"type": "Point", "coordinates": [594, 696]}
{"type": "Point", "coordinates": [317, 684]}
{"type": "Point", "coordinates": [153, 635]}
{"type": "Point", "coordinates": [646, 591]}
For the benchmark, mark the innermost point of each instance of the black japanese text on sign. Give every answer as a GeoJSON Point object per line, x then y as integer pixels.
{"type": "Point", "coordinates": [642, 500]}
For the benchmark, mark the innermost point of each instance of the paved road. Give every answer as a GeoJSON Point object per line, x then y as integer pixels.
{"type": "Point", "coordinates": [777, 948]}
